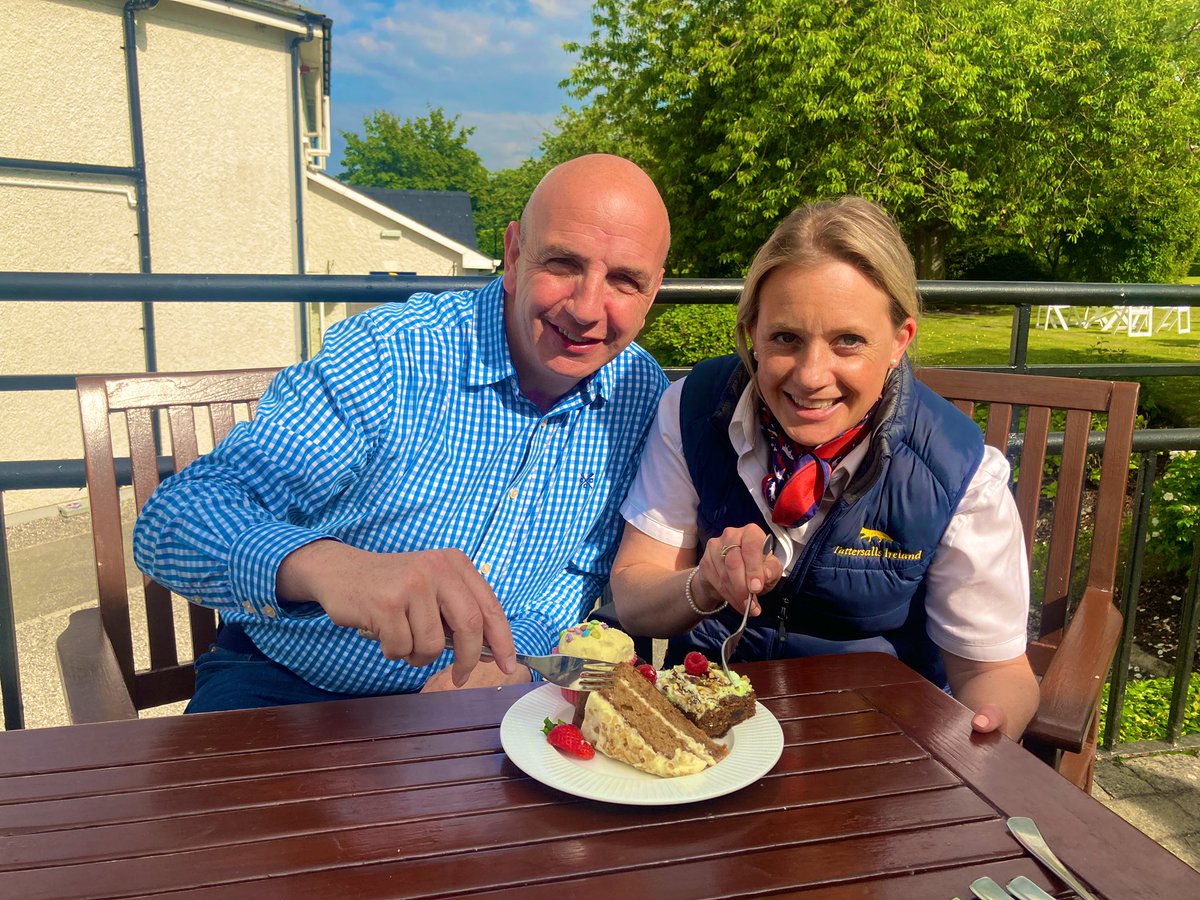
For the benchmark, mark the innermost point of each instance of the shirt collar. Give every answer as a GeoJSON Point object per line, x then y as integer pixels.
{"type": "Point", "coordinates": [491, 362]}
{"type": "Point", "coordinates": [748, 440]}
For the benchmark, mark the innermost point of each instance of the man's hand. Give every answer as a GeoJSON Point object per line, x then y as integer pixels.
{"type": "Point", "coordinates": [410, 600]}
{"type": "Point", "coordinates": [483, 675]}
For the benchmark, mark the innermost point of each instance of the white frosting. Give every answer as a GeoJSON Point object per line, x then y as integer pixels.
{"type": "Point", "coordinates": [611, 734]}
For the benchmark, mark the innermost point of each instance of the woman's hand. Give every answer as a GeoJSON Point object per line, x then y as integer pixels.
{"type": "Point", "coordinates": [1003, 694]}
{"type": "Point", "coordinates": [735, 569]}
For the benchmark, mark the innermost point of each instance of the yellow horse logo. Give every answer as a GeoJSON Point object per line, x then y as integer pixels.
{"type": "Point", "coordinates": [870, 534]}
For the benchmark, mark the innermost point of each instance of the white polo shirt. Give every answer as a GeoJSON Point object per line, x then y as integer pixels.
{"type": "Point", "coordinates": [977, 585]}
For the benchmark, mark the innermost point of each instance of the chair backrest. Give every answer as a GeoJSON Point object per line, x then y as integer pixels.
{"type": "Point", "coordinates": [1021, 412]}
{"type": "Point", "coordinates": [137, 400]}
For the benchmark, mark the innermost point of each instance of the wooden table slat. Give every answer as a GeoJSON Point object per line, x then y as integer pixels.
{"type": "Point", "coordinates": [310, 726]}
{"type": "Point", "coordinates": [706, 866]}
{"type": "Point", "coordinates": [234, 766]}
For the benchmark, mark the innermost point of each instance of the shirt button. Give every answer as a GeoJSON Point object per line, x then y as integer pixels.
{"type": "Point", "coordinates": [486, 568]}
{"type": "Point", "coordinates": [269, 612]}
{"type": "Point", "coordinates": [513, 493]}
{"type": "Point", "coordinates": [248, 606]}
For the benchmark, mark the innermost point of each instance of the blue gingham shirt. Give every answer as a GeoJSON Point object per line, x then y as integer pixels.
{"type": "Point", "coordinates": [407, 432]}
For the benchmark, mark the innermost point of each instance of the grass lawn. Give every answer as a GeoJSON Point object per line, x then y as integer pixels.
{"type": "Point", "coordinates": [981, 338]}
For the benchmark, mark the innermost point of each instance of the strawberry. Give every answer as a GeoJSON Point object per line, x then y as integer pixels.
{"type": "Point", "coordinates": [648, 672]}
{"type": "Point", "coordinates": [567, 738]}
{"type": "Point", "coordinates": [695, 663]}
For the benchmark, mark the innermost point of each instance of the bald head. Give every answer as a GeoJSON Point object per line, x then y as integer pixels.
{"type": "Point", "coordinates": [611, 181]}
{"type": "Point", "coordinates": [580, 272]}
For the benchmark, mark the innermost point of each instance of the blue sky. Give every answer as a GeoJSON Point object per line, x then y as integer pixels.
{"type": "Point", "coordinates": [494, 63]}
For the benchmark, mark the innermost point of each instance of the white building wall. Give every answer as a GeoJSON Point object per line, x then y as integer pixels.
{"type": "Point", "coordinates": [221, 178]}
{"type": "Point", "coordinates": [345, 239]}
{"type": "Point", "coordinates": [217, 127]}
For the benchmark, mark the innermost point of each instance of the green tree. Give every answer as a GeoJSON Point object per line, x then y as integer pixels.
{"type": "Point", "coordinates": [502, 201]}
{"type": "Point", "coordinates": [1050, 126]}
{"type": "Point", "coordinates": [426, 153]}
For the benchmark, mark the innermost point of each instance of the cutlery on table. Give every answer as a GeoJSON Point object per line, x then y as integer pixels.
{"type": "Point", "coordinates": [1027, 834]}
{"type": "Point", "coordinates": [731, 642]}
{"type": "Point", "coordinates": [574, 672]}
{"type": "Point", "coordinates": [1021, 888]}
{"type": "Point", "coordinates": [1024, 889]}
{"type": "Point", "coordinates": [986, 888]}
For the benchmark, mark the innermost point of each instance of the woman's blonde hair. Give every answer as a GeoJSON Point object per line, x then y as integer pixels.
{"type": "Point", "coordinates": [850, 230]}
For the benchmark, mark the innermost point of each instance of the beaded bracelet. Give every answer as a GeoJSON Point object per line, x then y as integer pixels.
{"type": "Point", "coordinates": [687, 595]}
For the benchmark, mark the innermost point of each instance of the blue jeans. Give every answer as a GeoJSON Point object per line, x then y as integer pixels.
{"type": "Point", "coordinates": [234, 674]}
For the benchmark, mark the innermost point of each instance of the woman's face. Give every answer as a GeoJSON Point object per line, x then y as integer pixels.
{"type": "Point", "coordinates": [824, 342]}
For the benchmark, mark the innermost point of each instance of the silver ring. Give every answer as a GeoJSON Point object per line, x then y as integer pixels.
{"type": "Point", "coordinates": [725, 550]}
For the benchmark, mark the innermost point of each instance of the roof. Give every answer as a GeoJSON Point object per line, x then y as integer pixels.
{"type": "Point", "coordinates": [446, 212]}
{"type": "Point", "coordinates": [282, 6]}
{"type": "Point", "coordinates": [471, 257]}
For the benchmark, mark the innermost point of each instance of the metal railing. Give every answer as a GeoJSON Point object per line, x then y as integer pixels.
{"type": "Point", "coordinates": [937, 296]}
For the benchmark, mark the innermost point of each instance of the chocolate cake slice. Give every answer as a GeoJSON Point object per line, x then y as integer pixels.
{"type": "Point", "coordinates": [709, 699]}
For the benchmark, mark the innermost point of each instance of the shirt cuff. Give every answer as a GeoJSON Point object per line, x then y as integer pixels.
{"type": "Point", "coordinates": [660, 531]}
{"type": "Point", "coordinates": [1001, 652]}
{"type": "Point", "coordinates": [531, 639]}
{"type": "Point", "coordinates": [254, 562]}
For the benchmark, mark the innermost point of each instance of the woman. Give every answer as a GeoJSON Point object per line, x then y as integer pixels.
{"type": "Point", "coordinates": [892, 524]}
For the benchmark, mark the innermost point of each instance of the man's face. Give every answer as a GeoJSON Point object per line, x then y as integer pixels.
{"type": "Point", "coordinates": [578, 284]}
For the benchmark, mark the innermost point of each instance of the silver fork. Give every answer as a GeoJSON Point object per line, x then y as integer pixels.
{"type": "Point", "coordinates": [565, 671]}
{"type": "Point", "coordinates": [574, 672]}
{"type": "Point", "coordinates": [735, 638]}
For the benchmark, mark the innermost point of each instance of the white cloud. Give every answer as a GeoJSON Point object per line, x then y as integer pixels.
{"type": "Point", "coordinates": [494, 63]}
{"type": "Point", "coordinates": [504, 139]}
{"type": "Point", "coordinates": [387, 34]}
{"type": "Point", "coordinates": [561, 9]}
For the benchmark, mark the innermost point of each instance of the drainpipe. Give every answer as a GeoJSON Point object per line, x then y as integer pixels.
{"type": "Point", "coordinates": [139, 167]}
{"type": "Point", "coordinates": [300, 168]}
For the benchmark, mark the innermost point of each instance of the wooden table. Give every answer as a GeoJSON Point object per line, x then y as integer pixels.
{"type": "Point", "coordinates": [881, 792]}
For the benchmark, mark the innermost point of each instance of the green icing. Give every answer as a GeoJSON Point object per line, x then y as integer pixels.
{"type": "Point", "coordinates": [741, 686]}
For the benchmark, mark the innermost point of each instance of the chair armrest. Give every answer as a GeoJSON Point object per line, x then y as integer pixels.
{"type": "Point", "coordinates": [1075, 677]}
{"type": "Point", "coordinates": [91, 678]}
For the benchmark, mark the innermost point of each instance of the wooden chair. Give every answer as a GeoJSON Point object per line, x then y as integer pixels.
{"type": "Point", "coordinates": [1076, 636]}
{"type": "Point", "coordinates": [96, 650]}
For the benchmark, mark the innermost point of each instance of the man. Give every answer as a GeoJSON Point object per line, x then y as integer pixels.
{"type": "Point", "coordinates": [452, 466]}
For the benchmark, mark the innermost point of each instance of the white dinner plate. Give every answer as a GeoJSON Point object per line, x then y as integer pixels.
{"type": "Point", "coordinates": [754, 747]}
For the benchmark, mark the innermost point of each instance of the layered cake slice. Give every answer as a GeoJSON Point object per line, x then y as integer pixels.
{"type": "Point", "coordinates": [632, 722]}
{"type": "Point", "coordinates": [703, 694]}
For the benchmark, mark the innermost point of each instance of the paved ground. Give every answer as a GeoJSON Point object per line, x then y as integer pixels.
{"type": "Point", "coordinates": [52, 574]}
{"type": "Point", "coordinates": [1160, 794]}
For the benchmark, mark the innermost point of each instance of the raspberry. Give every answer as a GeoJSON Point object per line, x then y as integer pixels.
{"type": "Point", "coordinates": [695, 663]}
{"type": "Point", "coordinates": [567, 738]}
{"type": "Point", "coordinates": [648, 671]}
